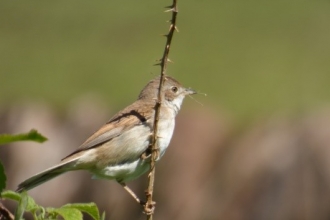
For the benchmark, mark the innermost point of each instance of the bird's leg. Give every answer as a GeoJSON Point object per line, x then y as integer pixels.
{"type": "Point", "coordinates": [148, 208]}
{"type": "Point", "coordinates": [132, 193]}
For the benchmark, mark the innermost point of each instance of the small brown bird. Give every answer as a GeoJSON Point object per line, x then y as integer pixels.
{"type": "Point", "coordinates": [115, 150]}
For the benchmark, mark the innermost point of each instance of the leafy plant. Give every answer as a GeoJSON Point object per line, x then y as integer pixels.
{"type": "Point", "coordinates": [66, 212]}
{"type": "Point", "coordinates": [26, 204]}
{"type": "Point", "coordinates": [33, 135]}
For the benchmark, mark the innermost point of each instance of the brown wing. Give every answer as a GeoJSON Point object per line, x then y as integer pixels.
{"type": "Point", "coordinates": [131, 116]}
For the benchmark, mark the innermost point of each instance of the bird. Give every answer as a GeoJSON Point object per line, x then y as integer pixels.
{"type": "Point", "coordinates": [119, 149]}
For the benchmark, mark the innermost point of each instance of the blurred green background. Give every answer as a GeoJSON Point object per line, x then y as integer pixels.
{"type": "Point", "coordinates": [252, 58]}
{"type": "Point", "coordinates": [257, 61]}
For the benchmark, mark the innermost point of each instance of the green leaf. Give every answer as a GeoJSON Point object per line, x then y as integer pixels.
{"type": "Point", "coordinates": [21, 206]}
{"type": "Point", "coordinates": [30, 203]}
{"type": "Point", "coordinates": [66, 213]}
{"type": "Point", "coordinates": [103, 216]}
{"type": "Point", "coordinates": [89, 208]}
{"type": "Point", "coordinates": [8, 194]}
{"type": "Point", "coordinates": [3, 178]}
{"type": "Point", "coordinates": [33, 135]}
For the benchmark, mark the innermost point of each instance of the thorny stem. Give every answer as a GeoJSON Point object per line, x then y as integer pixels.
{"type": "Point", "coordinates": [154, 152]}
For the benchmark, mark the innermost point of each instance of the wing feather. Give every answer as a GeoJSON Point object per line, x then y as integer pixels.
{"type": "Point", "coordinates": [131, 116]}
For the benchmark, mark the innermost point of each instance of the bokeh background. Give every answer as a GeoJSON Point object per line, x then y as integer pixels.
{"type": "Point", "coordinates": [256, 147]}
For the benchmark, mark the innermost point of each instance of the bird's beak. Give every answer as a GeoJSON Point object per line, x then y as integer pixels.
{"type": "Point", "coordinates": [190, 91]}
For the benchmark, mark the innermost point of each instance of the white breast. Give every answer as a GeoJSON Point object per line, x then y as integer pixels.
{"type": "Point", "coordinates": [165, 132]}
{"type": "Point", "coordinates": [131, 170]}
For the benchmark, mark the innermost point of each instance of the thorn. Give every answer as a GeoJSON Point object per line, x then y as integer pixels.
{"type": "Point", "coordinates": [157, 64]}
{"type": "Point", "coordinates": [175, 28]}
{"type": "Point", "coordinates": [164, 35]}
{"type": "Point", "coordinates": [169, 10]}
{"type": "Point", "coordinates": [168, 21]}
{"type": "Point", "coordinates": [170, 61]}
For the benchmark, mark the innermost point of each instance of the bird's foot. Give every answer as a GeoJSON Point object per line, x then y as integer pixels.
{"type": "Point", "coordinates": [148, 207]}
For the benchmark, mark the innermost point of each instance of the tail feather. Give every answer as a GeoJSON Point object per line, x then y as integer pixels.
{"type": "Point", "coordinates": [45, 176]}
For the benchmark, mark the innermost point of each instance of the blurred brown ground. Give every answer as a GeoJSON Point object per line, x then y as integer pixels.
{"type": "Point", "coordinates": [276, 168]}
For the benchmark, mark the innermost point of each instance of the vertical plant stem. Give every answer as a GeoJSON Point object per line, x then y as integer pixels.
{"type": "Point", "coordinates": [154, 151]}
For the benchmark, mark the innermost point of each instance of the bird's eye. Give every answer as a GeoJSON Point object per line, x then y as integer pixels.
{"type": "Point", "coordinates": [174, 89]}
